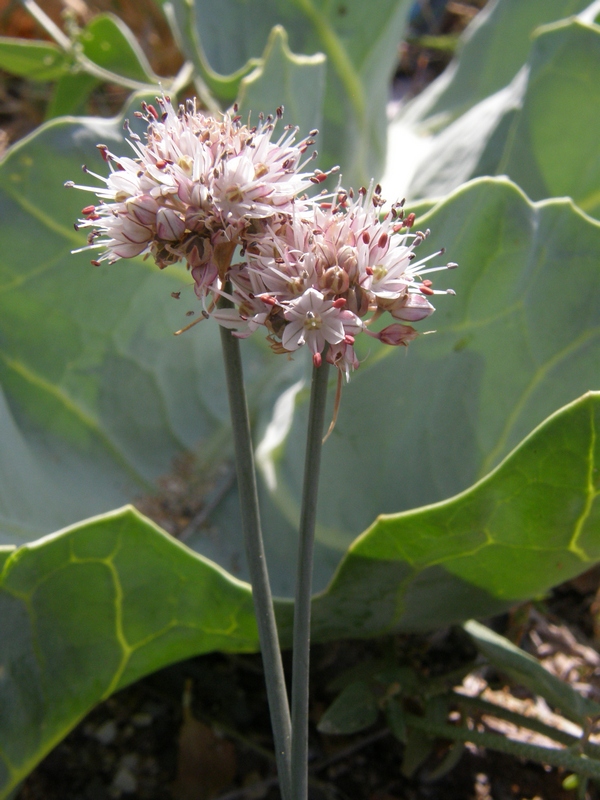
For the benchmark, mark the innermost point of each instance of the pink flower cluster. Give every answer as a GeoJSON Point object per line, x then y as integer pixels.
{"type": "Point", "coordinates": [315, 272]}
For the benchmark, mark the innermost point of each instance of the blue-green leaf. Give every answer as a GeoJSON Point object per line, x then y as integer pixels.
{"type": "Point", "coordinates": [39, 61]}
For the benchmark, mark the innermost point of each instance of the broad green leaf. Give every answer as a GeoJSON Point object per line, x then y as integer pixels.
{"type": "Point", "coordinates": [353, 710]}
{"type": "Point", "coordinates": [551, 149]}
{"type": "Point", "coordinates": [493, 49]}
{"type": "Point", "coordinates": [528, 671]}
{"type": "Point", "coordinates": [143, 601]}
{"type": "Point", "coordinates": [519, 340]}
{"type": "Point", "coordinates": [5, 552]}
{"type": "Point", "coordinates": [70, 94]}
{"type": "Point", "coordinates": [181, 17]}
{"type": "Point", "coordinates": [40, 61]}
{"type": "Point", "coordinates": [441, 162]}
{"type": "Point", "coordinates": [110, 44]}
{"type": "Point", "coordinates": [296, 82]}
{"type": "Point", "coordinates": [539, 130]}
{"type": "Point", "coordinates": [360, 42]}
{"type": "Point", "coordinates": [532, 523]}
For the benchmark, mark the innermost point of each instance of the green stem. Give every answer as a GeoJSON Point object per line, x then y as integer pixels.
{"type": "Point", "coordinates": [533, 724]}
{"type": "Point", "coordinates": [588, 767]}
{"type": "Point", "coordinates": [173, 85]}
{"type": "Point", "coordinates": [261, 590]}
{"type": "Point", "coordinates": [301, 653]}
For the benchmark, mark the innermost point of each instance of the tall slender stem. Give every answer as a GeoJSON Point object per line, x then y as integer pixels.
{"type": "Point", "coordinates": [301, 655]}
{"type": "Point", "coordinates": [261, 590]}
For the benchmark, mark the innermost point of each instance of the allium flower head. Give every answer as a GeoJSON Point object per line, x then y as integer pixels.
{"type": "Point", "coordinates": [325, 276]}
{"type": "Point", "coordinates": [316, 272]}
{"type": "Point", "coordinates": [193, 187]}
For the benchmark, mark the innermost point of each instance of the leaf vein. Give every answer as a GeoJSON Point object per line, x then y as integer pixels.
{"type": "Point", "coordinates": [71, 407]}
{"type": "Point", "coordinates": [536, 378]}
{"type": "Point", "coordinates": [591, 495]}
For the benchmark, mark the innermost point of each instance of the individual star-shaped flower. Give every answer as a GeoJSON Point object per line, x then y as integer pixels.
{"type": "Point", "coordinates": [313, 320]}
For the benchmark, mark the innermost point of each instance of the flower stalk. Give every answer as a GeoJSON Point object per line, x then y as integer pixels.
{"type": "Point", "coordinates": [301, 641]}
{"type": "Point", "coordinates": [259, 578]}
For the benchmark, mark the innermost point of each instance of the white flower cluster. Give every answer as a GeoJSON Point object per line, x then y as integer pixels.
{"type": "Point", "coordinates": [315, 272]}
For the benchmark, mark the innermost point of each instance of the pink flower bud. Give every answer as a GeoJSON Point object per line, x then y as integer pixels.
{"type": "Point", "coordinates": [169, 225]}
{"type": "Point", "coordinates": [130, 231]}
{"type": "Point", "coordinates": [143, 209]}
{"type": "Point", "coordinates": [397, 334]}
{"type": "Point", "coordinates": [348, 261]}
{"type": "Point", "coordinates": [412, 308]}
{"type": "Point", "coordinates": [334, 281]}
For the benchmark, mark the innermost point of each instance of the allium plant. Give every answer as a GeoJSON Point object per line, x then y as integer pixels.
{"type": "Point", "coordinates": [313, 271]}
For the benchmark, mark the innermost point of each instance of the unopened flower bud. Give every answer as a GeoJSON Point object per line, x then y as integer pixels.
{"type": "Point", "coordinates": [195, 219]}
{"type": "Point", "coordinates": [334, 281]}
{"type": "Point", "coordinates": [348, 261]}
{"type": "Point", "coordinates": [169, 225]}
{"type": "Point", "coordinates": [397, 334]}
{"type": "Point", "coordinates": [143, 209]}
{"type": "Point", "coordinates": [192, 193]}
{"type": "Point", "coordinates": [411, 307]}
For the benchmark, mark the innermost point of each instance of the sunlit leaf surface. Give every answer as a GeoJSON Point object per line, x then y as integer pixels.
{"type": "Point", "coordinates": [360, 41]}
{"type": "Point", "coordinates": [539, 129]}
{"type": "Point", "coordinates": [285, 79]}
{"type": "Point", "coordinates": [494, 48]}
{"type": "Point", "coordinates": [519, 340]}
{"type": "Point", "coordinates": [40, 61]}
{"type": "Point", "coordinates": [110, 44]}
